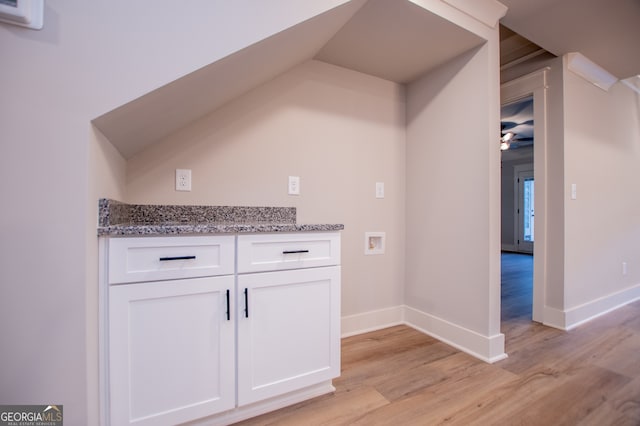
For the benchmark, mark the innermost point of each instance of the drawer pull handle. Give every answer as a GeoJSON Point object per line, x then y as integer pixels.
{"type": "Point", "coordinates": [246, 303]}
{"type": "Point", "coordinates": [295, 251]}
{"type": "Point", "coordinates": [164, 259]}
{"type": "Point", "coordinates": [228, 311]}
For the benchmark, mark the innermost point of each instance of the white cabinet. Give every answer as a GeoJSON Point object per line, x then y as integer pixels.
{"type": "Point", "coordinates": [289, 317]}
{"type": "Point", "coordinates": [290, 336]}
{"type": "Point", "coordinates": [171, 350]}
{"type": "Point", "coordinates": [171, 339]}
{"type": "Point", "coordinates": [218, 328]}
{"type": "Point", "coordinates": [276, 252]}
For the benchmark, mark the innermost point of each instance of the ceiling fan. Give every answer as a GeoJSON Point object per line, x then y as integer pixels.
{"type": "Point", "coordinates": [516, 135]}
{"type": "Point", "coordinates": [516, 125]}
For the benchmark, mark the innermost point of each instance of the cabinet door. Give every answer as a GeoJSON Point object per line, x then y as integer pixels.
{"type": "Point", "coordinates": [289, 337]}
{"type": "Point", "coordinates": [172, 355]}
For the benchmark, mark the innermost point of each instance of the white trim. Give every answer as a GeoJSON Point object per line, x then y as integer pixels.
{"type": "Point", "coordinates": [372, 321]}
{"type": "Point", "coordinates": [523, 86]}
{"type": "Point", "coordinates": [262, 407]}
{"type": "Point", "coordinates": [486, 348]}
{"type": "Point", "coordinates": [590, 71]}
{"type": "Point", "coordinates": [598, 307]}
{"type": "Point", "coordinates": [103, 334]}
{"type": "Point", "coordinates": [536, 84]}
{"type": "Point", "coordinates": [554, 318]}
{"type": "Point", "coordinates": [578, 315]}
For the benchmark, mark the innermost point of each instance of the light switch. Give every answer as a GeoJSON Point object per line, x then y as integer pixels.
{"type": "Point", "coordinates": [379, 189]}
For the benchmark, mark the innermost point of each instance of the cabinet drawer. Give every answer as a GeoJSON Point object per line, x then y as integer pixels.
{"type": "Point", "coordinates": [272, 252]}
{"type": "Point", "coordinates": [165, 258]}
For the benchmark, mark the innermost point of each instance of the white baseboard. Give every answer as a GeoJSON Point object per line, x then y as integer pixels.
{"type": "Point", "coordinates": [573, 317]}
{"type": "Point", "coordinates": [266, 406]}
{"type": "Point", "coordinates": [555, 318]}
{"type": "Point", "coordinates": [371, 321]}
{"type": "Point", "coordinates": [588, 311]}
{"type": "Point", "coordinates": [488, 349]}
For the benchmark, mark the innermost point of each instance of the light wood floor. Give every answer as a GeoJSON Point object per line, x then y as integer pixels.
{"type": "Point", "coordinates": [399, 376]}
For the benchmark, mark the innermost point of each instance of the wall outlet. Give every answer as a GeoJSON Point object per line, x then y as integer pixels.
{"type": "Point", "coordinates": [624, 268]}
{"type": "Point", "coordinates": [379, 189]}
{"type": "Point", "coordinates": [294, 185]}
{"type": "Point", "coordinates": [183, 180]}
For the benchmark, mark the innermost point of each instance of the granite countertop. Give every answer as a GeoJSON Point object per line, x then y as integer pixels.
{"type": "Point", "coordinates": [120, 219]}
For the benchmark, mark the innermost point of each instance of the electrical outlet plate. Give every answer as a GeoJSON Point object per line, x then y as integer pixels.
{"type": "Point", "coordinates": [294, 185]}
{"type": "Point", "coordinates": [183, 180]}
{"type": "Point", "coordinates": [379, 189]}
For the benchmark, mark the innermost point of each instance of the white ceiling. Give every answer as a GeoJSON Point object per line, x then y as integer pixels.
{"type": "Point", "coordinates": [391, 39]}
{"type": "Point", "coordinates": [396, 40]}
{"type": "Point", "coordinates": [605, 31]}
{"type": "Point", "coordinates": [138, 124]}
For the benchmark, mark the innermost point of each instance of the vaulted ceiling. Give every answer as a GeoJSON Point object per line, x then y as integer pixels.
{"type": "Point", "coordinates": [392, 39]}
{"type": "Point", "coordinates": [396, 41]}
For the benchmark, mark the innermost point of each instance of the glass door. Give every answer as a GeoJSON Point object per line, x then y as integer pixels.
{"type": "Point", "coordinates": [525, 211]}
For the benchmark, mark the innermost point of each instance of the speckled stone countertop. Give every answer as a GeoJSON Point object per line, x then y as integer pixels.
{"type": "Point", "coordinates": [120, 219]}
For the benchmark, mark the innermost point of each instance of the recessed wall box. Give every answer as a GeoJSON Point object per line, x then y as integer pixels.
{"type": "Point", "coordinates": [26, 13]}
{"type": "Point", "coordinates": [374, 242]}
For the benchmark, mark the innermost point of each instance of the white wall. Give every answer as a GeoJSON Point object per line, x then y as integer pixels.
{"type": "Point", "coordinates": [555, 203]}
{"type": "Point", "coordinates": [340, 131]}
{"type": "Point", "coordinates": [593, 140]}
{"type": "Point", "coordinates": [602, 226]}
{"type": "Point", "coordinates": [90, 58]}
{"type": "Point", "coordinates": [453, 187]}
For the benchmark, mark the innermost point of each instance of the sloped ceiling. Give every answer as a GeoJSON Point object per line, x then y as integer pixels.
{"type": "Point", "coordinates": [605, 31]}
{"type": "Point", "coordinates": [391, 39]}
{"type": "Point", "coordinates": [136, 125]}
{"type": "Point", "coordinates": [396, 41]}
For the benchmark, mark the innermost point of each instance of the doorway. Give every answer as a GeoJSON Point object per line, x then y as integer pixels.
{"type": "Point", "coordinates": [518, 214]}
{"type": "Point", "coordinates": [534, 86]}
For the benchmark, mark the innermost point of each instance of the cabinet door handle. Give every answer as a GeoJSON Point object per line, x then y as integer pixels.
{"type": "Point", "coordinates": [295, 251]}
{"type": "Point", "coordinates": [228, 310]}
{"type": "Point", "coordinates": [246, 303]}
{"type": "Point", "coordinates": [164, 259]}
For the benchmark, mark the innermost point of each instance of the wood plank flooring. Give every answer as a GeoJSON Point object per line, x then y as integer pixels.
{"type": "Point", "coordinates": [399, 376]}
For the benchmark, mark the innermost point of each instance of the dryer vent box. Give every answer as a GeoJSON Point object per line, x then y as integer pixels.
{"type": "Point", "coordinates": [374, 242]}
